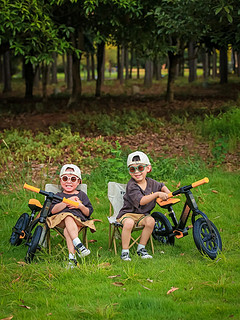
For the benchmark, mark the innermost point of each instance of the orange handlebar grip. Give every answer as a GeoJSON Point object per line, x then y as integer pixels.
{"type": "Point", "coordinates": [31, 188]}
{"type": "Point", "coordinates": [73, 203]}
{"type": "Point", "coordinates": [200, 182]}
{"type": "Point", "coordinates": [170, 195]}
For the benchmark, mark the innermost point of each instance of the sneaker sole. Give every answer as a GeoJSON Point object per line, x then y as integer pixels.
{"type": "Point", "coordinates": [83, 254]}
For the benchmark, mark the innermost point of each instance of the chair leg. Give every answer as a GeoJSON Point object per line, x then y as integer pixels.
{"type": "Point", "coordinates": [110, 236]}
{"type": "Point", "coordinates": [134, 241]}
{"type": "Point", "coordinates": [151, 241]}
{"type": "Point", "coordinates": [115, 246]}
{"type": "Point", "coordinates": [85, 241]}
{"type": "Point", "coordinates": [48, 241]}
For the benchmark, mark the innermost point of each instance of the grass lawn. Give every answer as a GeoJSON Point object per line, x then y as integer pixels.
{"type": "Point", "coordinates": [185, 145]}
{"type": "Point", "coordinates": [104, 287]}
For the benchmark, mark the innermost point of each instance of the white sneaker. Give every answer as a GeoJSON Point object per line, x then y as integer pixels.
{"type": "Point", "coordinates": [82, 251]}
{"type": "Point", "coordinates": [144, 254]}
{"type": "Point", "coordinates": [72, 264]}
{"type": "Point", "coordinates": [125, 256]}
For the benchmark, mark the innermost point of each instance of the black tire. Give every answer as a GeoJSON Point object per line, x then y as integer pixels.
{"type": "Point", "coordinates": [34, 244]}
{"type": "Point", "coordinates": [162, 229]}
{"type": "Point", "coordinates": [18, 233]}
{"type": "Point", "coordinates": [203, 239]}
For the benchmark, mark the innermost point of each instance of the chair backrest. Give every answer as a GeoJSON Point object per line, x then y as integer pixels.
{"type": "Point", "coordinates": [116, 191]}
{"type": "Point", "coordinates": [57, 188]}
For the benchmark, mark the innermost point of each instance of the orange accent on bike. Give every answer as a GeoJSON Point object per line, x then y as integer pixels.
{"type": "Point", "coordinates": [31, 188]}
{"type": "Point", "coordinates": [73, 203]}
{"type": "Point", "coordinates": [179, 234]}
{"type": "Point", "coordinates": [35, 202]}
{"type": "Point", "coordinates": [200, 182]}
{"type": "Point", "coordinates": [163, 203]}
{"type": "Point", "coordinates": [22, 236]}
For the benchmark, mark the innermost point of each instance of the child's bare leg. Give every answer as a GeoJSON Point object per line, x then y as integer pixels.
{"type": "Point", "coordinates": [72, 227]}
{"type": "Point", "coordinates": [69, 241]}
{"type": "Point", "coordinates": [148, 224]}
{"type": "Point", "coordinates": [128, 225]}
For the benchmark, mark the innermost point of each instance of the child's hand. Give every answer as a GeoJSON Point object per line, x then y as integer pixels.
{"type": "Point", "coordinates": [76, 199]}
{"type": "Point", "coordinates": [163, 195]}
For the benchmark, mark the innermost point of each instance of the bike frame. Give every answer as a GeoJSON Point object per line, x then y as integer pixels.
{"type": "Point", "coordinates": [49, 197]}
{"type": "Point", "coordinates": [180, 229]}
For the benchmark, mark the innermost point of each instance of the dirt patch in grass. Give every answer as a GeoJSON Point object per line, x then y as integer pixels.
{"type": "Point", "coordinates": [171, 141]}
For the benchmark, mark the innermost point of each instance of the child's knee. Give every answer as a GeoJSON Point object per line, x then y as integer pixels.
{"type": "Point", "coordinates": [150, 222]}
{"type": "Point", "coordinates": [128, 224]}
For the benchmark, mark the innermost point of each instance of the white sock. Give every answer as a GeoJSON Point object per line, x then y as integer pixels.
{"type": "Point", "coordinates": [140, 246]}
{"type": "Point", "coordinates": [125, 250]}
{"type": "Point", "coordinates": [71, 256]}
{"type": "Point", "coordinates": [76, 241]}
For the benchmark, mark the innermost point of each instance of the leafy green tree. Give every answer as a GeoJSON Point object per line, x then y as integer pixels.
{"type": "Point", "coordinates": [27, 29]}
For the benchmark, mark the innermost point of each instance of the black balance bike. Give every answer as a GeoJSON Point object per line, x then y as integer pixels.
{"type": "Point", "coordinates": [26, 224]}
{"type": "Point", "coordinates": [205, 233]}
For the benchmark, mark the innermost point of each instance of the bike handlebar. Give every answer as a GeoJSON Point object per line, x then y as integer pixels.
{"type": "Point", "coordinates": [186, 188]}
{"type": "Point", "coordinates": [45, 193]}
{"type": "Point", "coordinates": [200, 182]}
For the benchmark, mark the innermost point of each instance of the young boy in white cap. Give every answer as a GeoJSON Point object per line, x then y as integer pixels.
{"type": "Point", "coordinates": [139, 201]}
{"type": "Point", "coordinates": [70, 218]}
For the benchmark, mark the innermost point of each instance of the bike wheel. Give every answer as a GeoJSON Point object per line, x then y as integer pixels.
{"type": "Point", "coordinates": [18, 233]}
{"type": "Point", "coordinates": [205, 242]}
{"type": "Point", "coordinates": [162, 229]}
{"type": "Point", "coordinates": [34, 244]}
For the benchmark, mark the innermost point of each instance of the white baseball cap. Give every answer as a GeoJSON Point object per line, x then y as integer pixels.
{"type": "Point", "coordinates": [143, 158]}
{"type": "Point", "coordinates": [76, 171]}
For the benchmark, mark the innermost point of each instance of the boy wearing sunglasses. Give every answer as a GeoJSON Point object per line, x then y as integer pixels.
{"type": "Point", "coordinates": [139, 201]}
{"type": "Point", "coordinates": [70, 218]}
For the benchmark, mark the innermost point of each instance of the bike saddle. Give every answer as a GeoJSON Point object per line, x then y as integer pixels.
{"type": "Point", "coordinates": [34, 205]}
{"type": "Point", "coordinates": [167, 203]}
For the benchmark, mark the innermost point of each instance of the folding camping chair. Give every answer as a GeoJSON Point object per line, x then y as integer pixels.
{"type": "Point", "coordinates": [57, 188]}
{"type": "Point", "coordinates": [116, 192]}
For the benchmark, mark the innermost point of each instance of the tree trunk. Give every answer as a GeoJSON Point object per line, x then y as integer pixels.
{"type": "Point", "coordinates": [157, 70]}
{"type": "Point", "coordinates": [64, 68]}
{"type": "Point", "coordinates": [93, 66]}
{"type": "Point", "coordinates": [1, 69]}
{"type": "Point", "coordinates": [205, 68]}
{"type": "Point", "coordinates": [223, 66]}
{"type": "Point", "coordinates": [214, 64]}
{"type": "Point", "coordinates": [54, 68]}
{"type": "Point", "coordinates": [131, 63]}
{"type": "Point", "coordinates": [36, 77]}
{"type": "Point", "coordinates": [7, 72]}
{"type": "Point", "coordinates": [118, 63]}
{"type": "Point", "coordinates": [126, 63]}
{"type": "Point", "coordinates": [148, 73]}
{"type": "Point", "coordinates": [192, 62]}
{"type": "Point", "coordinates": [45, 69]}
{"type": "Point", "coordinates": [77, 84]}
{"type": "Point", "coordinates": [138, 70]}
{"type": "Point", "coordinates": [88, 66]}
{"type": "Point", "coordinates": [238, 63]}
{"type": "Point", "coordinates": [181, 66]}
{"type": "Point", "coordinates": [121, 64]}
{"type": "Point", "coordinates": [69, 75]}
{"type": "Point", "coordinates": [173, 61]}
{"type": "Point", "coordinates": [29, 78]}
{"type": "Point", "coordinates": [103, 66]}
{"type": "Point", "coordinates": [233, 61]}
{"type": "Point", "coordinates": [100, 57]}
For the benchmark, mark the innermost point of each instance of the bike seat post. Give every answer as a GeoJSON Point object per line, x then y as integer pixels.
{"type": "Point", "coordinates": [172, 215]}
{"type": "Point", "coordinates": [45, 209]}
